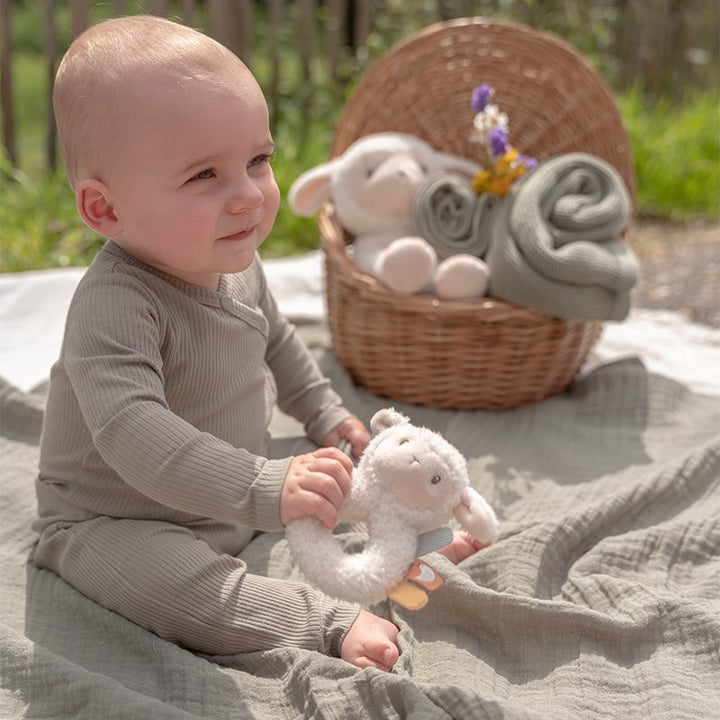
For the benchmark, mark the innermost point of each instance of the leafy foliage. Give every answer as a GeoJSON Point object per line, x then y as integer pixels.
{"type": "Point", "coordinates": [676, 147]}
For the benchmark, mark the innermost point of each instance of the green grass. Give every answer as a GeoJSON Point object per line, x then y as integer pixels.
{"type": "Point", "coordinates": [677, 156]}
{"type": "Point", "coordinates": [40, 227]}
{"type": "Point", "coordinates": [676, 151]}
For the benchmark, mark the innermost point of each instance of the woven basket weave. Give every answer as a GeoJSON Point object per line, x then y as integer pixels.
{"type": "Point", "coordinates": [471, 354]}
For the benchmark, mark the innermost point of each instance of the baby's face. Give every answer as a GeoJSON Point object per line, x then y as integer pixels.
{"type": "Point", "coordinates": [192, 187]}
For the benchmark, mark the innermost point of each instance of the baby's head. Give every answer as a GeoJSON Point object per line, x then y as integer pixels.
{"type": "Point", "coordinates": [167, 143]}
{"type": "Point", "coordinates": [115, 71]}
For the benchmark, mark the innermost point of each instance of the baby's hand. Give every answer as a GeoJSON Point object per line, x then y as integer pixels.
{"type": "Point", "coordinates": [371, 642]}
{"type": "Point", "coordinates": [462, 547]}
{"type": "Point", "coordinates": [316, 484]}
{"type": "Point", "coordinates": [354, 431]}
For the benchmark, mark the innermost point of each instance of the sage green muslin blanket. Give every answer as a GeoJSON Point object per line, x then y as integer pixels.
{"type": "Point", "coordinates": [601, 599]}
{"type": "Point", "coordinates": [555, 241]}
{"type": "Point", "coordinates": [449, 214]}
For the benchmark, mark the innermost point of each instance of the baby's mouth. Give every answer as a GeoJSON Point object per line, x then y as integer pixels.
{"type": "Point", "coordinates": [240, 235]}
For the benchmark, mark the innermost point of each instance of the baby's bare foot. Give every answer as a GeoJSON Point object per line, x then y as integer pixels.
{"type": "Point", "coordinates": [371, 642]}
{"type": "Point", "coordinates": [462, 547]}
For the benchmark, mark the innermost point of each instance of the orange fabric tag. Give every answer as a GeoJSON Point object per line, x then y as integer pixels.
{"type": "Point", "coordinates": [408, 596]}
{"type": "Point", "coordinates": [423, 574]}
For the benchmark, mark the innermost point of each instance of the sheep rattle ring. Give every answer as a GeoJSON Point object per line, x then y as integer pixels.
{"type": "Point", "coordinates": [409, 480]}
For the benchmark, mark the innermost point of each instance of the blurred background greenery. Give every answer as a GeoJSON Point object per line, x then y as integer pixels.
{"type": "Point", "coordinates": [660, 57]}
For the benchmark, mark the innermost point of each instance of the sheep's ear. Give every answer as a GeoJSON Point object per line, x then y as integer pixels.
{"type": "Point", "coordinates": [311, 189]}
{"type": "Point", "coordinates": [457, 164]}
{"type": "Point", "coordinates": [387, 418]}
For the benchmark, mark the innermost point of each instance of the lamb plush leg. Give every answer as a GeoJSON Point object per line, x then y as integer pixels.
{"type": "Point", "coordinates": [477, 517]}
{"type": "Point", "coordinates": [407, 265]}
{"type": "Point", "coordinates": [462, 276]}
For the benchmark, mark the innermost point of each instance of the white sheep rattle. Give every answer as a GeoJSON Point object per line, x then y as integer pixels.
{"type": "Point", "coordinates": [408, 481]}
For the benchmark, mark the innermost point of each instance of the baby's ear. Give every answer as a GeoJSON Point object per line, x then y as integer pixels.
{"type": "Point", "coordinates": [387, 418]}
{"type": "Point", "coordinates": [95, 205]}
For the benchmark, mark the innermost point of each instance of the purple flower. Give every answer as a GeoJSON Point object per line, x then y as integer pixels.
{"type": "Point", "coordinates": [528, 162]}
{"type": "Point", "coordinates": [481, 97]}
{"type": "Point", "coordinates": [498, 142]}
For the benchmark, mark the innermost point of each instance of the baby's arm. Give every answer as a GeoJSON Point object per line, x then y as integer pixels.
{"type": "Point", "coordinates": [371, 642]}
{"type": "Point", "coordinates": [461, 547]}
{"type": "Point", "coordinates": [303, 391]}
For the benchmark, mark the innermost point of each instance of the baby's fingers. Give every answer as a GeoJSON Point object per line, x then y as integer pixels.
{"type": "Point", "coordinates": [327, 486]}
{"type": "Point", "coordinates": [313, 504]}
{"type": "Point", "coordinates": [336, 463]}
{"type": "Point", "coordinates": [316, 484]}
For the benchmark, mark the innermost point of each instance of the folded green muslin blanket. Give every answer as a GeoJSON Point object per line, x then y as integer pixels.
{"type": "Point", "coordinates": [451, 217]}
{"type": "Point", "coordinates": [555, 241]}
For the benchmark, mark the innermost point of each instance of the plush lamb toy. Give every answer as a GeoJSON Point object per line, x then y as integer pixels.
{"type": "Point", "coordinates": [409, 480]}
{"type": "Point", "coordinates": [373, 185]}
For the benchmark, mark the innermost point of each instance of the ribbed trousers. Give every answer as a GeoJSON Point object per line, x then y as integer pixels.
{"type": "Point", "coordinates": [179, 583]}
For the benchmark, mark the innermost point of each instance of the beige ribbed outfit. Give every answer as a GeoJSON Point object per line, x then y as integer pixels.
{"type": "Point", "coordinates": [154, 467]}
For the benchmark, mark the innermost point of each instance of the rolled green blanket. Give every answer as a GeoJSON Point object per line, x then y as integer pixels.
{"type": "Point", "coordinates": [555, 241]}
{"type": "Point", "coordinates": [449, 214]}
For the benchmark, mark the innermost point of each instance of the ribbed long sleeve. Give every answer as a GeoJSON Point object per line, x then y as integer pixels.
{"type": "Point", "coordinates": [160, 402]}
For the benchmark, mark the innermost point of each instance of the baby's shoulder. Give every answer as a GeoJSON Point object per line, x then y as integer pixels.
{"type": "Point", "coordinates": [108, 283]}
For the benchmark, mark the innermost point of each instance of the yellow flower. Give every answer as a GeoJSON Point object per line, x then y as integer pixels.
{"type": "Point", "coordinates": [500, 185]}
{"type": "Point", "coordinates": [501, 174]}
{"type": "Point", "coordinates": [505, 163]}
{"type": "Point", "coordinates": [481, 181]}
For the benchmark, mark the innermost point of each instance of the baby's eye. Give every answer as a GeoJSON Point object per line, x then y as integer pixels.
{"type": "Point", "coordinates": [435, 479]}
{"type": "Point", "coordinates": [206, 174]}
{"type": "Point", "coordinates": [260, 159]}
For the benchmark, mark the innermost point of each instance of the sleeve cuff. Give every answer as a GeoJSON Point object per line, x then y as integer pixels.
{"type": "Point", "coordinates": [267, 490]}
{"type": "Point", "coordinates": [337, 618]}
{"type": "Point", "coordinates": [320, 425]}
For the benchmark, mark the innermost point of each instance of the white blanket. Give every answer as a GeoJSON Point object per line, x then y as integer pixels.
{"type": "Point", "coordinates": [33, 307]}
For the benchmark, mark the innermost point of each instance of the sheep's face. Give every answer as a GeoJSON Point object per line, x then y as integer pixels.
{"type": "Point", "coordinates": [420, 468]}
{"type": "Point", "coordinates": [384, 183]}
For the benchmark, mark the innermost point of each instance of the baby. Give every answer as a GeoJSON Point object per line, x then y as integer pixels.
{"type": "Point", "coordinates": [155, 465]}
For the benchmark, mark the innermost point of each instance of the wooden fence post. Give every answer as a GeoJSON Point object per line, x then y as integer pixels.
{"type": "Point", "coordinates": [79, 13]}
{"type": "Point", "coordinates": [231, 24]}
{"type": "Point", "coordinates": [6, 84]}
{"type": "Point", "coordinates": [158, 7]}
{"type": "Point", "coordinates": [363, 22]}
{"type": "Point", "coordinates": [51, 51]}
{"type": "Point", "coordinates": [187, 12]}
{"type": "Point", "coordinates": [335, 28]}
{"type": "Point", "coordinates": [275, 11]}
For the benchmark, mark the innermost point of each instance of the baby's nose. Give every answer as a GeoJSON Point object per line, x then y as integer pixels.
{"type": "Point", "coordinates": [244, 195]}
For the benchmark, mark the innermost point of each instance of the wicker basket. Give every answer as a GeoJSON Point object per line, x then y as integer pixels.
{"type": "Point", "coordinates": [478, 354]}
